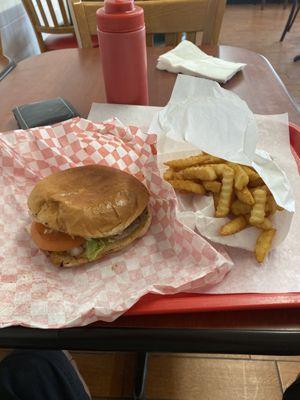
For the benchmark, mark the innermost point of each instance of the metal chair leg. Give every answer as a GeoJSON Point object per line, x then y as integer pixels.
{"type": "Point", "coordinates": [11, 65]}
{"type": "Point", "coordinates": [290, 19]}
{"type": "Point", "coordinates": [294, 17]}
{"type": "Point", "coordinates": [139, 390]}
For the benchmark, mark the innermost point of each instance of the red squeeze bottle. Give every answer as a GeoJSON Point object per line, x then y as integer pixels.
{"type": "Point", "coordinates": [122, 42]}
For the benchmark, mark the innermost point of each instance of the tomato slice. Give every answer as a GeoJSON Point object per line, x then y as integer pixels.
{"type": "Point", "coordinates": [54, 241]}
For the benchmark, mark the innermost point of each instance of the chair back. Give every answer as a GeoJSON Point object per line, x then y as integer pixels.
{"type": "Point", "coordinates": [49, 16]}
{"type": "Point", "coordinates": [171, 17]}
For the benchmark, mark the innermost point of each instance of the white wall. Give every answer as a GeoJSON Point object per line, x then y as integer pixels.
{"type": "Point", "coordinates": [17, 35]}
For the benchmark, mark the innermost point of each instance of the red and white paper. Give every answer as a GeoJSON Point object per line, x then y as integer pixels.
{"type": "Point", "coordinates": [170, 258]}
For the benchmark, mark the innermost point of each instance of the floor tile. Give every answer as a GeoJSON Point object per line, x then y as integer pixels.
{"type": "Point", "coordinates": [288, 372]}
{"type": "Point", "coordinates": [213, 355]}
{"type": "Point", "coordinates": [245, 25]}
{"type": "Point", "coordinates": [129, 374]}
{"type": "Point", "coordinates": [129, 367]}
{"type": "Point", "coordinates": [279, 358]}
{"type": "Point", "coordinates": [108, 398]}
{"type": "Point", "coordinates": [179, 378]}
{"type": "Point", "coordinates": [103, 373]}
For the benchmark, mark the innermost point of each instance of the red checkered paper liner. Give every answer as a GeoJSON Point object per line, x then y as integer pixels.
{"type": "Point", "coordinates": [168, 259]}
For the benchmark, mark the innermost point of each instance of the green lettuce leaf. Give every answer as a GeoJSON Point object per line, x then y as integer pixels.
{"type": "Point", "coordinates": [93, 247]}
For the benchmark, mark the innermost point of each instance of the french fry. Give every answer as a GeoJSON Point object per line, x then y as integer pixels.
{"type": "Point", "coordinates": [256, 183]}
{"type": "Point", "coordinates": [279, 208]}
{"type": "Point", "coordinates": [263, 187]}
{"type": "Point", "coordinates": [210, 160]}
{"type": "Point", "coordinates": [253, 175]}
{"type": "Point", "coordinates": [187, 186]}
{"type": "Point", "coordinates": [168, 174]}
{"type": "Point", "coordinates": [258, 210]}
{"type": "Point", "coordinates": [241, 178]}
{"type": "Point", "coordinates": [239, 208]}
{"type": "Point", "coordinates": [263, 244]}
{"type": "Point", "coordinates": [200, 159]}
{"type": "Point", "coordinates": [234, 226]}
{"type": "Point", "coordinates": [177, 175]}
{"type": "Point", "coordinates": [247, 216]}
{"type": "Point", "coordinates": [265, 225]}
{"type": "Point", "coordinates": [212, 186]}
{"type": "Point", "coordinates": [216, 197]}
{"type": "Point", "coordinates": [245, 196]}
{"type": "Point", "coordinates": [219, 168]}
{"type": "Point", "coordinates": [205, 173]}
{"type": "Point", "coordinates": [226, 193]}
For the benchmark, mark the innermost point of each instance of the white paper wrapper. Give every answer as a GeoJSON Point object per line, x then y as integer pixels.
{"type": "Point", "coordinates": [210, 118]}
{"type": "Point", "coordinates": [140, 116]}
{"type": "Point", "coordinates": [202, 115]}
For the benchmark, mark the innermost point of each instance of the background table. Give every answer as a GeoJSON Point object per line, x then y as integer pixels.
{"type": "Point", "coordinates": [76, 75]}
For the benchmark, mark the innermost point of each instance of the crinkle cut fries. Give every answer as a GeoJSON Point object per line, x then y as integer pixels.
{"type": "Point", "coordinates": [238, 192]}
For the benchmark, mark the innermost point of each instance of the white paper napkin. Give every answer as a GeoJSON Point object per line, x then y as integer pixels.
{"type": "Point", "coordinates": [188, 59]}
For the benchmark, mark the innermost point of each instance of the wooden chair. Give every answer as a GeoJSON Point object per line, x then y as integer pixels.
{"type": "Point", "coordinates": [291, 18]}
{"type": "Point", "coordinates": [51, 17]}
{"type": "Point", "coordinates": [6, 64]}
{"type": "Point", "coordinates": [171, 17]}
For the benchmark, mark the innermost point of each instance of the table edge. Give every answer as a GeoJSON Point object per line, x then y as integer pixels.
{"type": "Point", "coordinates": [227, 341]}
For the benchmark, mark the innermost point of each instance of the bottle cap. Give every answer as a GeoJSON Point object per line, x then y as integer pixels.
{"type": "Point", "coordinates": [120, 16]}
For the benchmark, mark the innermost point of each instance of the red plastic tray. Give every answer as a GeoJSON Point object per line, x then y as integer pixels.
{"type": "Point", "coordinates": [186, 303]}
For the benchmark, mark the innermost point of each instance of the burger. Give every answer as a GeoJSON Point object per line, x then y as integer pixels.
{"type": "Point", "coordinates": [81, 214]}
